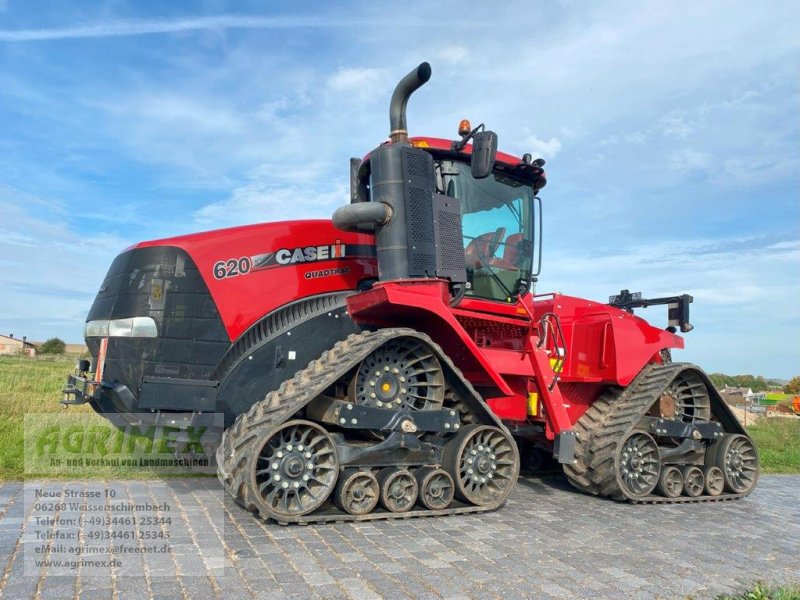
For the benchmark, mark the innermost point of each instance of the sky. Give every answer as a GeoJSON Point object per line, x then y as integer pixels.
{"type": "Point", "coordinates": [671, 133]}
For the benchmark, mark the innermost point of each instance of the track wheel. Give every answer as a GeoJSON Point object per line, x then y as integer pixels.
{"type": "Point", "coordinates": [715, 480]}
{"type": "Point", "coordinates": [484, 463]}
{"type": "Point", "coordinates": [399, 489]}
{"type": "Point", "coordinates": [736, 455]}
{"type": "Point", "coordinates": [357, 492]}
{"type": "Point", "coordinates": [296, 470]}
{"type": "Point", "coordinates": [694, 482]}
{"type": "Point", "coordinates": [436, 488]}
{"type": "Point", "coordinates": [638, 464]}
{"type": "Point", "coordinates": [670, 484]}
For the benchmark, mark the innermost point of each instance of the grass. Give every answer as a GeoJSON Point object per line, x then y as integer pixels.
{"type": "Point", "coordinates": [27, 386]}
{"type": "Point", "coordinates": [763, 592]}
{"type": "Point", "coordinates": [778, 442]}
{"type": "Point", "coordinates": [31, 386]}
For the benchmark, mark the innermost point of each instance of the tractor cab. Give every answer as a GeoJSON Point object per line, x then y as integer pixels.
{"type": "Point", "coordinates": [499, 211]}
{"type": "Point", "coordinates": [498, 221]}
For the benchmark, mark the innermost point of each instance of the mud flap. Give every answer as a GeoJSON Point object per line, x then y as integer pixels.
{"type": "Point", "coordinates": [564, 447]}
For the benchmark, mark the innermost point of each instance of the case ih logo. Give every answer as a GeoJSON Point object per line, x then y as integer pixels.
{"type": "Point", "coordinates": [290, 256]}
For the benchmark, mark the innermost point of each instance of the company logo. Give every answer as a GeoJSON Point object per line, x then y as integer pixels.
{"type": "Point", "coordinates": [290, 256]}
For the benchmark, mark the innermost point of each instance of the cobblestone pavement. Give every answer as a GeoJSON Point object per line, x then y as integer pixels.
{"type": "Point", "coordinates": [547, 542]}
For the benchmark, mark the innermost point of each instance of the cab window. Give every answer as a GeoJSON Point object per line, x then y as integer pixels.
{"type": "Point", "coordinates": [497, 228]}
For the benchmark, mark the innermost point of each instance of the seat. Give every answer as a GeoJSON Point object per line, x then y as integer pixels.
{"type": "Point", "coordinates": [483, 247]}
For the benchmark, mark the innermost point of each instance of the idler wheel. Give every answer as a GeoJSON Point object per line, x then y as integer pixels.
{"type": "Point", "coordinates": [737, 456]}
{"type": "Point", "coordinates": [638, 464]}
{"type": "Point", "coordinates": [296, 470]}
{"type": "Point", "coordinates": [484, 463]}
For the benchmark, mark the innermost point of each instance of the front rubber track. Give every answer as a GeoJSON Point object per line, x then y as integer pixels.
{"type": "Point", "coordinates": [243, 439]}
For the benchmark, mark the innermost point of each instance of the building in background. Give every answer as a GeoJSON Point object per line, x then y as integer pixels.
{"type": "Point", "coordinates": [11, 345]}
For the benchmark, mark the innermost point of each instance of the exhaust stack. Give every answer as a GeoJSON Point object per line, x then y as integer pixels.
{"type": "Point", "coordinates": [398, 130]}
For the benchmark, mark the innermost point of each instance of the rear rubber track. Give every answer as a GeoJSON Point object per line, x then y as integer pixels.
{"type": "Point", "coordinates": [607, 423]}
{"type": "Point", "coordinates": [240, 441]}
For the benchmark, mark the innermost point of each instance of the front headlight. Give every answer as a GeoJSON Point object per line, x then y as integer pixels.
{"type": "Point", "coordinates": [136, 327]}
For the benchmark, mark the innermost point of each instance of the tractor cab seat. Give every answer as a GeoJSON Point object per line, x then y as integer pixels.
{"type": "Point", "coordinates": [483, 248]}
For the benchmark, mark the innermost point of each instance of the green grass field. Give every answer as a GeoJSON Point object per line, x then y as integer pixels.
{"type": "Point", "coordinates": [34, 386]}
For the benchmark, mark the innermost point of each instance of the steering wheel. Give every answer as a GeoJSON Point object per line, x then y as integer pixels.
{"type": "Point", "coordinates": [491, 245]}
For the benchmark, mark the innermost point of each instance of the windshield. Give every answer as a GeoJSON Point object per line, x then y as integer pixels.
{"type": "Point", "coordinates": [498, 229]}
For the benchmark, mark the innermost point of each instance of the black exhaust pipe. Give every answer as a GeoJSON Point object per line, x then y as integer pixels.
{"type": "Point", "coordinates": [398, 130]}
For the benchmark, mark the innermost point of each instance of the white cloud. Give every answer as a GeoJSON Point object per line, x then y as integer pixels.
{"type": "Point", "coordinates": [674, 125]}
{"type": "Point", "coordinates": [274, 198]}
{"type": "Point", "coordinates": [360, 83]}
{"type": "Point", "coordinates": [689, 159]}
{"type": "Point", "coordinates": [733, 282]}
{"type": "Point", "coordinates": [541, 148]}
{"type": "Point", "coordinates": [116, 28]}
{"type": "Point", "coordinates": [62, 271]}
{"type": "Point", "coordinates": [453, 54]}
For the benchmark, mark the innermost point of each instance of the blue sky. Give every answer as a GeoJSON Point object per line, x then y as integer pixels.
{"type": "Point", "coordinates": [671, 131]}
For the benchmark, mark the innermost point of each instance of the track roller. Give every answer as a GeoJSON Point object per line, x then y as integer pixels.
{"type": "Point", "coordinates": [670, 484]}
{"type": "Point", "coordinates": [436, 488]}
{"type": "Point", "coordinates": [694, 482]}
{"type": "Point", "coordinates": [483, 461]}
{"type": "Point", "coordinates": [357, 492]}
{"type": "Point", "coordinates": [715, 480]}
{"type": "Point", "coordinates": [399, 489]}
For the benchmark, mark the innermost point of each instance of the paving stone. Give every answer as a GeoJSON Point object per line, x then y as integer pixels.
{"type": "Point", "coordinates": [547, 542]}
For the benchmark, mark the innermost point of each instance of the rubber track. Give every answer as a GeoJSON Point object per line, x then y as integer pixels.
{"type": "Point", "coordinates": [239, 442]}
{"type": "Point", "coordinates": [609, 421]}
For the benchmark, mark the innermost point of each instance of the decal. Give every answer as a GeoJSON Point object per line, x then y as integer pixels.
{"type": "Point", "coordinates": [327, 273]}
{"type": "Point", "coordinates": [285, 257]}
{"type": "Point", "coordinates": [232, 267]}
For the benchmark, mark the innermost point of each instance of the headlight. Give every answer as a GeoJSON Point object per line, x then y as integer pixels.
{"type": "Point", "coordinates": [137, 327]}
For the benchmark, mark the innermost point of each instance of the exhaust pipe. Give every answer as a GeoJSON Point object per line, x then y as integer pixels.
{"type": "Point", "coordinates": [398, 130]}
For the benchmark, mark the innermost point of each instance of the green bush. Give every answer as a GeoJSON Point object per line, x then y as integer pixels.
{"type": "Point", "coordinates": [53, 346]}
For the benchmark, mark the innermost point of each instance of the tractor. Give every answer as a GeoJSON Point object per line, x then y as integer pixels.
{"type": "Point", "coordinates": [395, 361]}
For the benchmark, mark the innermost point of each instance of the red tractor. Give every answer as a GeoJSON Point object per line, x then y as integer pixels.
{"type": "Point", "coordinates": [394, 361]}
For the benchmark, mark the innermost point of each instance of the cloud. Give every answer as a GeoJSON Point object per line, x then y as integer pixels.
{"type": "Point", "coordinates": [731, 279]}
{"type": "Point", "coordinates": [689, 159]}
{"type": "Point", "coordinates": [674, 125]}
{"type": "Point", "coordinates": [453, 54]}
{"type": "Point", "coordinates": [131, 27]}
{"type": "Point", "coordinates": [63, 268]}
{"type": "Point", "coordinates": [541, 148]}
{"type": "Point", "coordinates": [274, 198]}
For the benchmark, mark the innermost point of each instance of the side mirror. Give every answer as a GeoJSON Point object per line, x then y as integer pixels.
{"type": "Point", "coordinates": [484, 152]}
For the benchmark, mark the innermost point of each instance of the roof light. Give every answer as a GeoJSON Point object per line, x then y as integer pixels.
{"type": "Point", "coordinates": [464, 127]}
{"type": "Point", "coordinates": [420, 144]}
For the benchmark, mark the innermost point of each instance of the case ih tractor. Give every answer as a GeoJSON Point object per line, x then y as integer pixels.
{"type": "Point", "coordinates": [394, 361]}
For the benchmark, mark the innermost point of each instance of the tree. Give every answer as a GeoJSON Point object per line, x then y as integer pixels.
{"type": "Point", "coordinates": [793, 387]}
{"type": "Point", "coordinates": [53, 346]}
